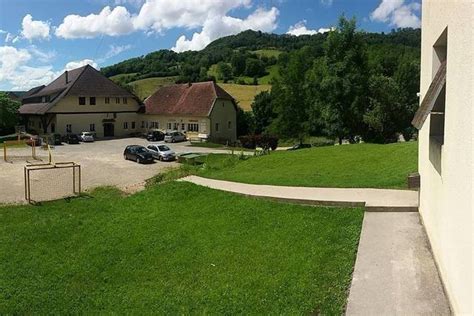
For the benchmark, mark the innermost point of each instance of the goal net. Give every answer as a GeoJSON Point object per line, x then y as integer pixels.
{"type": "Point", "coordinates": [19, 150]}
{"type": "Point", "coordinates": [47, 182]}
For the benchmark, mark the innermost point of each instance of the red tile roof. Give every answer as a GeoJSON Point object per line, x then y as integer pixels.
{"type": "Point", "coordinates": [194, 99]}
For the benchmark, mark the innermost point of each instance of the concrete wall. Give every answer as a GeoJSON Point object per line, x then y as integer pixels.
{"type": "Point", "coordinates": [223, 121]}
{"type": "Point", "coordinates": [446, 194]}
{"type": "Point", "coordinates": [81, 123]}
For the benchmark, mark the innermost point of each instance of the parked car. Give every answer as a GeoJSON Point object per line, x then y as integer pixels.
{"type": "Point", "coordinates": [154, 136]}
{"type": "Point", "coordinates": [87, 137]}
{"type": "Point", "coordinates": [57, 140]}
{"type": "Point", "coordinates": [161, 152]}
{"type": "Point", "coordinates": [71, 139]}
{"type": "Point", "coordinates": [137, 153]}
{"type": "Point", "coordinates": [299, 146]}
{"type": "Point", "coordinates": [173, 137]}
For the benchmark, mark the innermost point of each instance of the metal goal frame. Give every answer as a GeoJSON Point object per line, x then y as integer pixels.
{"type": "Point", "coordinates": [76, 174]}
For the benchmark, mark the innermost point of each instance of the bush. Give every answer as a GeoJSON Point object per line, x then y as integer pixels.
{"type": "Point", "coordinates": [321, 142]}
{"type": "Point", "coordinates": [254, 141]}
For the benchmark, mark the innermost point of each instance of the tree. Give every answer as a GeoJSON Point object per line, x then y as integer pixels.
{"type": "Point", "coordinates": [8, 113]}
{"type": "Point", "coordinates": [245, 122]}
{"type": "Point", "coordinates": [224, 71]}
{"type": "Point", "coordinates": [263, 112]}
{"type": "Point", "coordinates": [238, 63]}
{"type": "Point", "coordinates": [340, 82]}
{"type": "Point", "coordinates": [382, 117]}
{"type": "Point", "coordinates": [254, 67]}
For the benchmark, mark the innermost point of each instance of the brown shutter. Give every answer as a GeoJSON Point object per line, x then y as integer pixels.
{"type": "Point", "coordinates": [430, 98]}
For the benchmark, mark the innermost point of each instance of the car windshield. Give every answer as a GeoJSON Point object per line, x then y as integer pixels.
{"type": "Point", "coordinates": [140, 149]}
{"type": "Point", "coordinates": [87, 134]}
{"type": "Point", "coordinates": [163, 148]}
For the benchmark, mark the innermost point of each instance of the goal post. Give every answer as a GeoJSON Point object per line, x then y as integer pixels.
{"type": "Point", "coordinates": [19, 149]}
{"type": "Point", "coordinates": [46, 181]}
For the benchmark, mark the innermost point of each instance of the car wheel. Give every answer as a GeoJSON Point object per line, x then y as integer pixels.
{"type": "Point", "coordinates": [160, 158]}
{"type": "Point", "coordinates": [138, 160]}
{"type": "Point", "coordinates": [125, 157]}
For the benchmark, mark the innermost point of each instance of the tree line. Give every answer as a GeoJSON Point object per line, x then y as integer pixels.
{"type": "Point", "coordinates": [349, 91]}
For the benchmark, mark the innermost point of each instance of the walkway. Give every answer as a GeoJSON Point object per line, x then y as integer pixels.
{"type": "Point", "coordinates": [394, 273]}
{"type": "Point", "coordinates": [372, 199]}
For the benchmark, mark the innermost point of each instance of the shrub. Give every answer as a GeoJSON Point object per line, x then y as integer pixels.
{"type": "Point", "coordinates": [254, 141]}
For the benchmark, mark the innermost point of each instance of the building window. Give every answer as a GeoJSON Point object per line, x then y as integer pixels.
{"type": "Point", "coordinates": [53, 128]}
{"type": "Point", "coordinates": [133, 125]}
{"type": "Point", "coordinates": [143, 124]}
{"type": "Point", "coordinates": [107, 100]}
{"type": "Point", "coordinates": [92, 127]}
{"type": "Point", "coordinates": [82, 100]}
{"type": "Point", "coordinates": [229, 124]}
{"type": "Point", "coordinates": [156, 124]}
{"type": "Point", "coordinates": [168, 126]}
{"type": "Point", "coordinates": [48, 98]}
{"type": "Point", "coordinates": [183, 126]}
{"type": "Point", "coordinates": [125, 125]}
{"type": "Point", "coordinates": [68, 128]}
{"type": "Point", "coordinates": [92, 100]}
{"type": "Point", "coordinates": [217, 127]}
{"type": "Point", "coordinates": [175, 126]}
{"type": "Point", "coordinates": [193, 127]}
{"type": "Point", "coordinates": [117, 100]}
{"type": "Point", "coordinates": [124, 100]}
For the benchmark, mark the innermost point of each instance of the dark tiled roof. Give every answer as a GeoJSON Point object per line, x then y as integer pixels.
{"type": "Point", "coordinates": [194, 99]}
{"type": "Point", "coordinates": [84, 81]}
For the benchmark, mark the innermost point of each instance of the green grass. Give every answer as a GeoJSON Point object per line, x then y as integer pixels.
{"type": "Point", "coordinates": [175, 248]}
{"type": "Point", "coordinates": [268, 52]}
{"type": "Point", "coordinates": [358, 166]}
{"type": "Point", "coordinates": [119, 77]}
{"type": "Point", "coordinates": [145, 87]}
{"type": "Point", "coordinates": [272, 73]}
{"type": "Point", "coordinates": [244, 94]}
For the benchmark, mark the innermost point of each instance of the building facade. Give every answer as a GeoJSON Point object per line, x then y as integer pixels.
{"type": "Point", "coordinates": [446, 137]}
{"type": "Point", "coordinates": [81, 100]}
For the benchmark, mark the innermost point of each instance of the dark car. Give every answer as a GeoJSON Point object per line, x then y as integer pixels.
{"type": "Point", "coordinates": [154, 136]}
{"type": "Point", "coordinates": [299, 146]}
{"type": "Point", "coordinates": [71, 139]}
{"type": "Point", "coordinates": [57, 140]}
{"type": "Point", "coordinates": [137, 153]}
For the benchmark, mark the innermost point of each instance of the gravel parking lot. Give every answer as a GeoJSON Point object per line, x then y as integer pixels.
{"type": "Point", "coordinates": [102, 164]}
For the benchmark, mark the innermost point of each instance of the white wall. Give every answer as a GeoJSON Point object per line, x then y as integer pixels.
{"type": "Point", "coordinates": [446, 196]}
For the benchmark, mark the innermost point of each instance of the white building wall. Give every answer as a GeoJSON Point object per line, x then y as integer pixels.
{"type": "Point", "coordinates": [446, 196]}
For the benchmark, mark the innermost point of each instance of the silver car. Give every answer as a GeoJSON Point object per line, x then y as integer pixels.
{"type": "Point", "coordinates": [173, 137]}
{"type": "Point", "coordinates": [161, 152]}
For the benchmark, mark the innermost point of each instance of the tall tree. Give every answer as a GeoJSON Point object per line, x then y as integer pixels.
{"type": "Point", "coordinates": [224, 71]}
{"type": "Point", "coordinates": [340, 82]}
{"type": "Point", "coordinates": [8, 113]}
{"type": "Point", "coordinates": [263, 112]}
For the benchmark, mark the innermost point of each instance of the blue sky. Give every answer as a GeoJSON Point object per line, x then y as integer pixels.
{"type": "Point", "coordinates": [41, 38]}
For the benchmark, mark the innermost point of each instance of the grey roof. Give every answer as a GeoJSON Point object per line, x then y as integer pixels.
{"type": "Point", "coordinates": [84, 81]}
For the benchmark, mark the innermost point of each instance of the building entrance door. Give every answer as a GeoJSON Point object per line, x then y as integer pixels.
{"type": "Point", "coordinates": [108, 129]}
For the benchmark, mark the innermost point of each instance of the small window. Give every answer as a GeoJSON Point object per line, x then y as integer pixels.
{"type": "Point", "coordinates": [217, 127]}
{"type": "Point", "coordinates": [157, 125]}
{"type": "Point", "coordinates": [92, 100]}
{"type": "Point", "coordinates": [124, 100]}
{"type": "Point", "coordinates": [133, 125]}
{"type": "Point", "coordinates": [183, 126]}
{"type": "Point", "coordinates": [229, 124]}
{"type": "Point", "coordinates": [169, 126]}
{"type": "Point", "coordinates": [68, 128]}
{"type": "Point", "coordinates": [107, 100]}
{"type": "Point", "coordinates": [117, 100]}
{"type": "Point", "coordinates": [143, 124]}
{"type": "Point", "coordinates": [82, 100]}
{"type": "Point", "coordinates": [125, 125]}
{"type": "Point", "coordinates": [175, 126]}
{"type": "Point", "coordinates": [115, 115]}
{"type": "Point", "coordinates": [92, 127]}
{"type": "Point", "coordinates": [193, 127]}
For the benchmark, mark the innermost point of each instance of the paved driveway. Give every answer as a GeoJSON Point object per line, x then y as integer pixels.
{"type": "Point", "coordinates": [102, 164]}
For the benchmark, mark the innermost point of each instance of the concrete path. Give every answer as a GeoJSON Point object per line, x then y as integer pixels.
{"type": "Point", "coordinates": [394, 273]}
{"type": "Point", "coordinates": [372, 199]}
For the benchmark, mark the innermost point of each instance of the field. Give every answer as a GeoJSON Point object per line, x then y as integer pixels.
{"type": "Point", "coordinates": [358, 166]}
{"type": "Point", "coordinates": [175, 248]}
{"type": "Point", "coordinates": [145, 87]}
{"type": "Point", "coordinates": [268, 52]}
{"type": "Point", "coordinates": [244, 94]}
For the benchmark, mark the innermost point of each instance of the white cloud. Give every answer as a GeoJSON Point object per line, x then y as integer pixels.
{"type": "Point", "coordinates": [218, 26]}
{"type": "Point", "coordinates": [9, 37]}
{"type": "Point", "coordinates": [397, 13]}
{"type": "Point", "coordinates": [34, 29]}
{"type": "Point", "coordinates": [3, 32]}
{"type": "Point", "coordinates": [108, 22]}
{"type": "Point", "coordinates": [327, 3]}
{"type": "Point", "coordinates": [114, 50]}
{"type": "Point", "coordinates": [79, 63]}
{"type": "Point", "coordinates": [135, 3]}
{"type": "Point", "coordinates": [42, 56]}
{"type": "Point", "coordinates": [301, 29]}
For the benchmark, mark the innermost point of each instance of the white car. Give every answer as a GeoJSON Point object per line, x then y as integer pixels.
{"type": "Point", "coordinates": [87, 137]}
{"type": "Point", "coordinates": [161, 152]}
{"type": "Point", "coordinates": [173, 137]}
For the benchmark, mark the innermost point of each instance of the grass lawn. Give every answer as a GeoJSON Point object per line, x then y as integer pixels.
{"type": "Point", "coordinates": [244, 94]}
{"type": "Point", "coordinates": [268, 52]}
{"type": "Point", "coordinates": [145, 87]}
{"type": "Point", "coordinates": [358, 166]}
{"type": "Point", "coordinates": [175, 248]}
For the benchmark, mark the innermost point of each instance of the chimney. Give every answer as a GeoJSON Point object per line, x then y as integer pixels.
{"type": "Point", "coordinates": [67, 77]}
